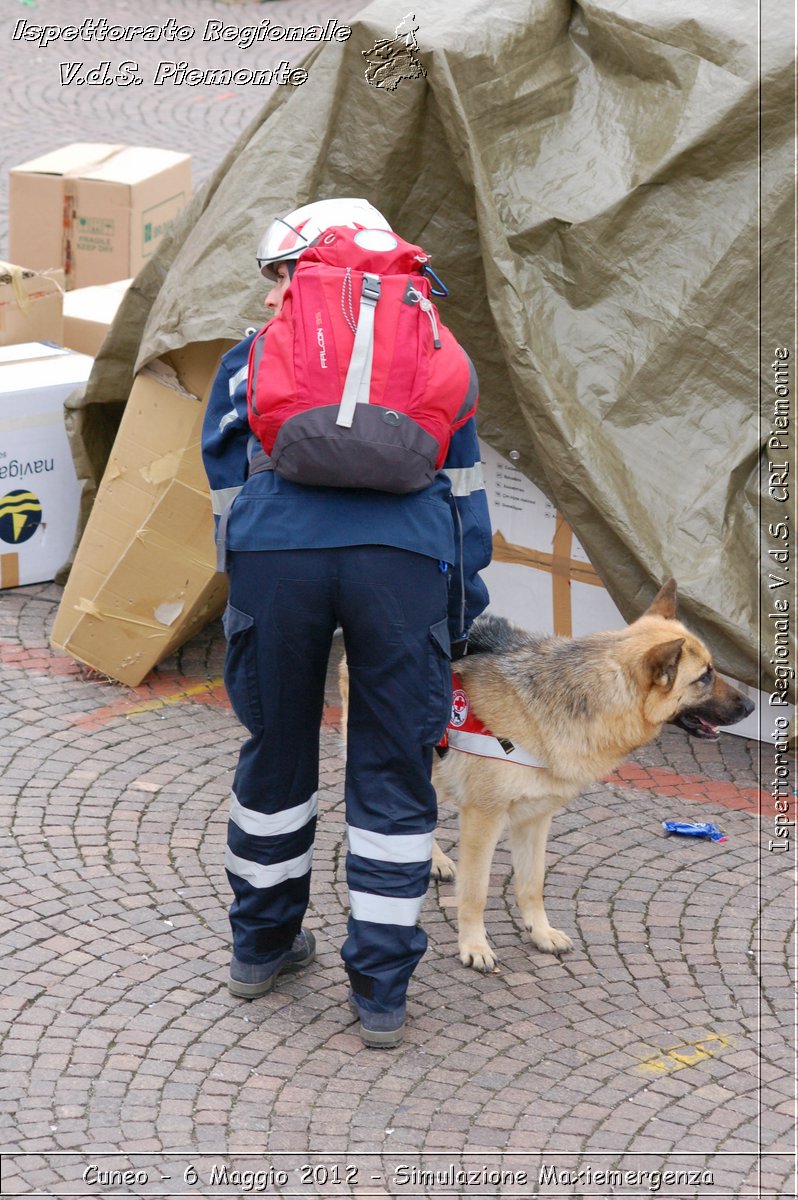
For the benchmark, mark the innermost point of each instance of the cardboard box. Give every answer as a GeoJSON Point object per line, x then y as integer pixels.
{"type": "Point", "coordinates": [88, 313]}
{"type": "Point", "coordinates": [541, 578]}
{"type": "Point", "coordinates": [39, 490]}
{"type": "Point", "coordinates": [97, 210]}
{"type": "Point", "coordinates": [144, 578]}
{"type": "Point", "coordinates": [30, 305]}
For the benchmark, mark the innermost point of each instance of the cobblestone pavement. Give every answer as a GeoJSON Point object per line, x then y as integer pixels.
{"type": "Point", "coordinates": [663, 1042]}
{"type": "Point", "coordinates": [650, 1047]}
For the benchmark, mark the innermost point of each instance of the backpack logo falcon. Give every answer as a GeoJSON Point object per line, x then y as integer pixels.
{"type": "Point", "coordinates": [356, 383]}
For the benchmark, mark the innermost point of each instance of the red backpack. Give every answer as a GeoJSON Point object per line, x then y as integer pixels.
{"type": "Point", "coordinates": [356, 383]}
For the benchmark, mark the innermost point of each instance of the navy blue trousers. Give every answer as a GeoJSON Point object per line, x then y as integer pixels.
{"type": "Point", "coordinates": [284, 606]}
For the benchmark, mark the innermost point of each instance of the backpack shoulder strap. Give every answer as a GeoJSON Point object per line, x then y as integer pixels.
{"type": "Point", "coordinates": [358, 377]}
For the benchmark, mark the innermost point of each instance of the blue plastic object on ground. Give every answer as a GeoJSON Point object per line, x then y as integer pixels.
{"type": "Point", "coordinates": [695, 829]}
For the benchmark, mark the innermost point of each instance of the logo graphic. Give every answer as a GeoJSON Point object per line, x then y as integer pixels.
{"type": "Point", "coordinates": [459, 708]}
{"type": "Point", "coordinates": [97, 226]}
{"type": "Point", "coordinates": [390, 60]}
{"type": "Point", "coordinates": [322, 349]}
{"type": "Point", "coordinates": [20, 516]}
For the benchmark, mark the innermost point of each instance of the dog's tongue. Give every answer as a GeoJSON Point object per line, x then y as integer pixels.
{"type": "Point", "coordinates": [706, 730]}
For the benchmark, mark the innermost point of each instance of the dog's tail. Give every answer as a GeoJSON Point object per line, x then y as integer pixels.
{"type": "Point", "coordinates": [495, 635]}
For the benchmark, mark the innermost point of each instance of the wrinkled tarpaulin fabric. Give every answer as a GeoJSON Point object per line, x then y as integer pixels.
{"type": "Point", "coordinates": [586, 178]}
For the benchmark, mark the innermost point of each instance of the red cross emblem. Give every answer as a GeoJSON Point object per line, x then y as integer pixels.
{"type": "Point", "coordinates": [459, 708]}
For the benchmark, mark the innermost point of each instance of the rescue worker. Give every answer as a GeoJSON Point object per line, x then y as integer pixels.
{"type": "Point", "coordinates": [399, 574]}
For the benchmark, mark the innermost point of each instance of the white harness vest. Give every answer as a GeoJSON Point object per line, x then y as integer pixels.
{"type": "Point", "coordinates": [466, 733]}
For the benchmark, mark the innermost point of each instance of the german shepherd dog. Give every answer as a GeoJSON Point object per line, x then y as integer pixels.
{"type": "Point", "coordinates": [580, 706]}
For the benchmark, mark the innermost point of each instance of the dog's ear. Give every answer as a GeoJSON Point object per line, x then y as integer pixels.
{"type": "Point", "coordinates": [664, 603]}
{"type": "Point", "coordinates": [662, 661]}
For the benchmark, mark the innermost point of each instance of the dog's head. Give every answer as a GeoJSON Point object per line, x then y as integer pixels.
{"type": "Point", "coordinates": [681, 685]}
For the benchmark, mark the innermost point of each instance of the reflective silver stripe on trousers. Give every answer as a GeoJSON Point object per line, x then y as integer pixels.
{"type": "Point", "coordinates": [222, 498]}
{"type": "Point", "coordinates": [385, 910]}
{"type": "Point", "coordinates": [273, 824]}
{"type": "Point", "coordinates": [393, 848]}
{"type": "Point", "coordinates": [265, 876]}
{"type": "Point", "coordinates": [228, 419]}
{"type": "Point", "coordinates": [239, 377]}
{"type": "Point", "coordinates": [465, 480]}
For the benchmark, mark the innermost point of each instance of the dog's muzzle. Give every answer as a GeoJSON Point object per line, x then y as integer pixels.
{"type": "Point", "coordinates": [703, 722]}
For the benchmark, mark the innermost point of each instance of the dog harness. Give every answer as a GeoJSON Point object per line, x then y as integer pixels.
{"type": "Point", "coordinates": [466, 733]}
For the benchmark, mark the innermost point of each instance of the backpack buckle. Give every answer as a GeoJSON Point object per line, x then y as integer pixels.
{"type": "Point", "coordinates": [371, 289]}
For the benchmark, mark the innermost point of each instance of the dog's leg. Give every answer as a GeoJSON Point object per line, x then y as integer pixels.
{"type": "Point", "coordinates": [528, 837]}
{"type": "Point", "coordinates": [479, 833]}
{"type": "Point", "coordinates": [442, 866]}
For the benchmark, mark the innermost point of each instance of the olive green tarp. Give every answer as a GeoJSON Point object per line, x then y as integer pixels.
{"type": "Point", "coordinates": [587, 178]}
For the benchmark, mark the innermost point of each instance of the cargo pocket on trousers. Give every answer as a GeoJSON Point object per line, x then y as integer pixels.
{"type": "Point", "coordinates": [241, 668]}
{"type": "Point", "coordinates": [439, 702]}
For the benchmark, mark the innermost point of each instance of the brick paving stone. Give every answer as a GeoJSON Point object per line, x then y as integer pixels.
{"type": "Point", "coordinates": [118, 1029]}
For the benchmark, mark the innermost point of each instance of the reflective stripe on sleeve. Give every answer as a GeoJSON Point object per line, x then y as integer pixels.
{"type": "Point", "coordinates": [273, 824]}
{"type": "Point", "coordinates": [265, 876]}
{"type": "Point", "coordinates": [222, 498]}
{"type": "Point", "coordinates": [385, 910]}
{"type": "Point", "coordinates": [393, 848]}
{"type": "Point", "coordinates": [228, 419]}
{"type": "Point", "coordinates": [239, 377]}
{"type": "Point", "coordinates": [465, 480]}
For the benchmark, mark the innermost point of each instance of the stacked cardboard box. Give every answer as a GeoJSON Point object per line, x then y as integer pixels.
{"type": "Point", "coordinates": [144, 578]}
{"type": "Point", "coordinates": [30, 305]}
{"type": "Point", "coordinates": [39, 490]}
{"type": "Point", "coordinates": [97, 210]}
{"type": "Point", "coordinates": [88, 313]}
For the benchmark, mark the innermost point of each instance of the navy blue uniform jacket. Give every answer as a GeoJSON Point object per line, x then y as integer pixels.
{"type": "Point", "coordinates": [448, 520]}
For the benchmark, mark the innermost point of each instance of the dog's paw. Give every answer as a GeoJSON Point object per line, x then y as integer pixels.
{"type": "Point", "coordinates": [443, 868]}
{"type": "Point", "coordinates": [477, 955]}
{"type": "Point", "coordinates": [550, 941]}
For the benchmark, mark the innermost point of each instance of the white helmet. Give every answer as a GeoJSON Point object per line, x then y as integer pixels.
{"type": "Point", "coordinates": [288, 236]}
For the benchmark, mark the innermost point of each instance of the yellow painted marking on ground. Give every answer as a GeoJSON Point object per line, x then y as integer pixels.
{"type": "Point", "coordinates": [687, 1055]}
{"type": "Point", "coordinates": [175, 697]}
